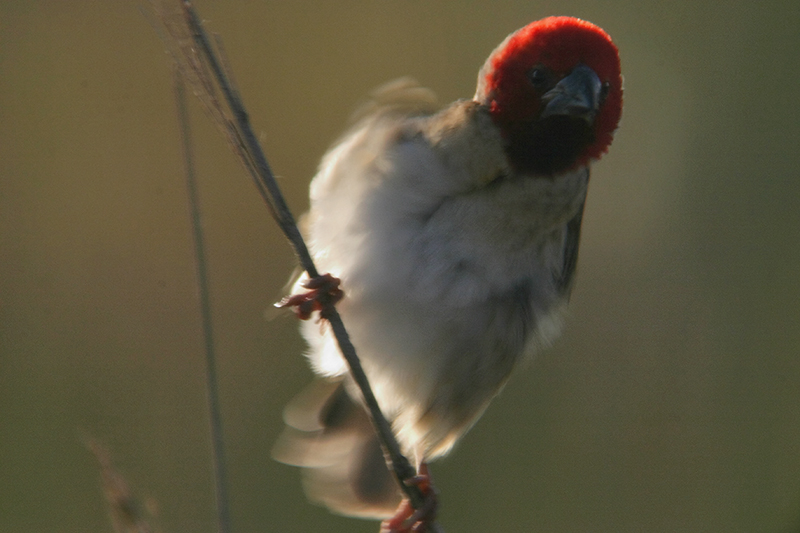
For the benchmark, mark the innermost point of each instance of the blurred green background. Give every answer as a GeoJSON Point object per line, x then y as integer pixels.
{"type": "Point", "coordinates": [672, 402]}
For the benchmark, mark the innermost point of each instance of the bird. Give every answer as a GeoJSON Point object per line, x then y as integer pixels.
{"type": "Point", "coordinates": [454, 233]}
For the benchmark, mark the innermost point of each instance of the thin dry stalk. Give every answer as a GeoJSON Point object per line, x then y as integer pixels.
{"type": "Point", "coordinates": [212, 387]}
{"type": "Point", "coordinates": [200, 62]}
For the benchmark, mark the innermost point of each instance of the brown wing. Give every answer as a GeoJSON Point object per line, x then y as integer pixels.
{"type": "Point", "coordinates": [570, 261]}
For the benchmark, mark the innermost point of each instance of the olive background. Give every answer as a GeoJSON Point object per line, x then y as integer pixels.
{"type": "Point", "coordinates": [671, 403]}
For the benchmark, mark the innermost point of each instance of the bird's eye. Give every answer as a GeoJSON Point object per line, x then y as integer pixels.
{"type": "Point", "coordinates": [604, 92]}
{"type": "Point", "coordinates": [539, 77]}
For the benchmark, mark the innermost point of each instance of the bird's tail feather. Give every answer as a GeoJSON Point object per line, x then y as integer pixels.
{"type": "Point", "coordinates": [330, 436]}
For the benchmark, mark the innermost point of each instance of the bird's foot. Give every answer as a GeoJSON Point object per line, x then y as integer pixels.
{"type": "Point", "coordinates": [410, 520]}
{"type": "Point", "coordinates": [324, 288]}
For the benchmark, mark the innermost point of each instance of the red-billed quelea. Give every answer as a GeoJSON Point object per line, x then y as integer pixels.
{"type": "Point", "coordinates": [455, 236]}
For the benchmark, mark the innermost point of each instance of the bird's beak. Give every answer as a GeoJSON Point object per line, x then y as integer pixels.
{"type": "Point", "coordinates": [578, 95]}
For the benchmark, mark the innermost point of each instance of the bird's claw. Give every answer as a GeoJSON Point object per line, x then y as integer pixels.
{"type": "Point", "coordinates": [322, 290]}
{"type": "Point", "coordinates": [410, 520]}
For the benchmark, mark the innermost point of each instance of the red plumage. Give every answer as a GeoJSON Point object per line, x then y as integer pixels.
{"type": "Point", "coordinates": [558, 43]}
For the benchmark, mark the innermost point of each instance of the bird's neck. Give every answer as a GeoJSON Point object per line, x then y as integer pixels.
{"type": "Point", "coordinates": [547, 147]}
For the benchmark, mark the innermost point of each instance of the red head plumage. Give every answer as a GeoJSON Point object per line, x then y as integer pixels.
{"type": "Point", "coordinates": [558, 44]}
